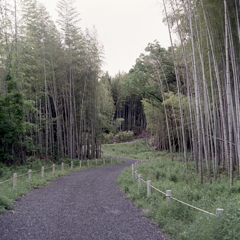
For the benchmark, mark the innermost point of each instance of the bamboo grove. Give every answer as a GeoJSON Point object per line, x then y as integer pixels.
{"type": "Point", "coordinates": [49, 83]}
{"type": "Point", "coordinates": [206, 64]}
{"type": "Point", "coordinates": [190, 92]}
{"type": "Point", "coordinates": [202, 115]}
{"type": "Point", "coordinates": [55, 100]}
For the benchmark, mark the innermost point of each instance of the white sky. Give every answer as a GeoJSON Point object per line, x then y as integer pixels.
{"type": "Point", "coordinates": [124, 27]}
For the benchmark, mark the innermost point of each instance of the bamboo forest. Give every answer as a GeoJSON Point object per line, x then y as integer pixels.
{"type": "Point", "coordinates": [57, 102]}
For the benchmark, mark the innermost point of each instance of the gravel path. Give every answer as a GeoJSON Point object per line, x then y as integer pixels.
{"type": "Point", "coordinates": [86, 205]}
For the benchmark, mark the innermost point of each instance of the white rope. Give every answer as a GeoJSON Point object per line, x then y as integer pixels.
{"type": "Point", "coordinates": [143, 180]}
{"type": "Point", "coordinates": [22, 175]}
{"type": "Point", "coordinates": [6, 181]}
{"type": "Point", "coordinates": [199, 209]}
{"type": "Point", "coordinates": [157, 190]}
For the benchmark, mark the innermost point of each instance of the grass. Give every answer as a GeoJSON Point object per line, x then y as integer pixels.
{"type": "Point", "coordinates": [135, 150]}
{"type": "Point", "coordinates": [175, 218]}
{"type": "Point", "coordinates": [8, 195]}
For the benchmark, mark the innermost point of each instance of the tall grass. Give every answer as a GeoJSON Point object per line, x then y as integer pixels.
{"type": "Point", "coordinates": [175, 218]}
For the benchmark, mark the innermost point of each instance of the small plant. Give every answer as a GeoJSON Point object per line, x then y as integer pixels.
{"type": "Point", "coordinates": [107, 138]}
{"type": "Point", "coordinates": [173, 178]}
{"type": "Point", "coordinates": [125, 136]}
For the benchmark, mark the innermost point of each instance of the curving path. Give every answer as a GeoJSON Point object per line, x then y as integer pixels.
{"type": "Point", "coordinates": [86, 205]}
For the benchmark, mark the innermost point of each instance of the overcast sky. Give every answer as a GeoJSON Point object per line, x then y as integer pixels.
{"type": "Point", "coordinates": [124, 28]}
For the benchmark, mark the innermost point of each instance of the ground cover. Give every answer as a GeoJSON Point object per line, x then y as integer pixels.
{"type": "Point", "coordinates": [135, 150]}
{"type": "Point", "coordinates": [177, 219]}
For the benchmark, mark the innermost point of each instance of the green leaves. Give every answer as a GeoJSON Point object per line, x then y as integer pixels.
{"type": "Point", "coordinates": [12, 120]}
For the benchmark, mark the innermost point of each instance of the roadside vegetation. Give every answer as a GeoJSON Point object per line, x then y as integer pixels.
{"type": "Point", "coordinates": [176, 219]}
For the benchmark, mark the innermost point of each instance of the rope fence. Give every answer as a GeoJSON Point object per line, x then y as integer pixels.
{"type": "Point", "coordinates": [88, 163]}
{"type": "Point", "coordinates": [168, 194]}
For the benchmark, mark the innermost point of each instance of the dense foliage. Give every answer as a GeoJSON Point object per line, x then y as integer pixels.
{"type": "Point", "coordinates": [190, 92]}
{"type": "Point", "coordinates": [51, 99]}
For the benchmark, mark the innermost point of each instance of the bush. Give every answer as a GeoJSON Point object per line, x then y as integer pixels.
{"type": "Point", "coordinates": [107, 138]}
{"type": "Point", "coordinates": [125, 136]}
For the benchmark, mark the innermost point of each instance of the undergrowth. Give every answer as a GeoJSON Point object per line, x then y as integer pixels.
{"type": "Point", "coordinates": [136, 150]}
{"type": "Point", "coordinates": [176, 219]}
{"type": "Point", "coordinates": [8, 195]}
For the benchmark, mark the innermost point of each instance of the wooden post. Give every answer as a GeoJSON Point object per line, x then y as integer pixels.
{"type": "Point", "coordinates": [53, 169]}
{"type": "Point", "coordinates": [111, 160]}
{"type": "Point", "coordinates": [62, 167]}
{"type": "Point", "coordinates": [30, 174]}
{"type": "Point", "coordinates": [42, 172]}
{"type": "Point", "coordinates": [104, 163]}
{"type": "Point", "coordinates": [80, 163]}
{"type": "Point", "coordinates": [132, 169]}
{"type": "Point", "coordinates": [169, 195]}
{"type": "Point", "coordinates": [96, 162]}
{"type": "Point", "coordinates": [219, 212]}
{"type": "Point", "coordinates": [139, 179]}
{"type": "Point", "coordinates": [148, 188]}
{"type": "Point", "coordinates": [14, 180]}
{"type": "Point", "coordinates": [71, 165]}
{"type": "Point", "coordinates": [88, 162]}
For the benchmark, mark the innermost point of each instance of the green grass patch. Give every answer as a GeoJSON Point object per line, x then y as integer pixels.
{"type": "Point", "coordinates": [138, 150]}
{"type": "Point", "coordinates": [135, 150]}
{"type": "Point", "coordinates": [8, 195]}
{"type": "Point", "coordinates": [177, 219]}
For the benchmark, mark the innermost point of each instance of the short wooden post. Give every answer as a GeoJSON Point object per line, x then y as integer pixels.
{"type": "Point", "coordinates": [96, 162]}
{"type": "Point", "coordinates": [80, 163]}
{"type": "Point", "coordinates": [148, 188]}
{"type": "Point", "coordinates": [88, 162]}
{"type": "Point", "coordinates": [169, 195]}
{"type": "Point", "coordinates": [111, 160]}
{"type": "Point", "coordinates": [42, 172]}
{"type": "Point", "coordinates": [219, 212]}
{"type": "Point", "coordinates": [71, 165]}
{"type": "Point", "coordinates": [53, 169]}
{"type": "Point", "coordinates": [104, 163]}
{"type": "Point", "coordinates": [132, 169]}
{"type": "Point", "coordinates": [139, 179]}
{"type": "Point", "coordinates": [30, 174]}
{"type": "Point", "coordinates": [14, 180]}
{"type": "Point", "coordinates": [62, 167]}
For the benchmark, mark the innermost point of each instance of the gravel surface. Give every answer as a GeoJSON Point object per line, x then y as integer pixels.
{"type": "Point", "coordinates": [86, 204]}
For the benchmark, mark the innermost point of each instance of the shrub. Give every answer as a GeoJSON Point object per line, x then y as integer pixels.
{"type": "Point", "coordinates": [107, 138]}
{"type": "Point", "coordinates": [125, 136]}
